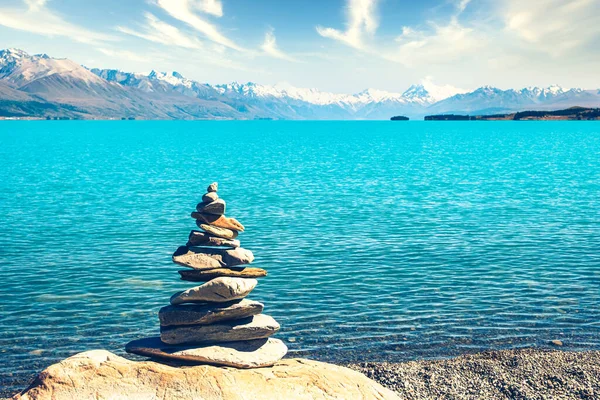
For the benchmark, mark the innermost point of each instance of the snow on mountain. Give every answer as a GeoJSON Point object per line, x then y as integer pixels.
{"type": "Point", "coordinates": [312, 96]}
{"type": "Point", "coordinates": [488, 99]}
{"type": "Point", "coordinates": [174, 78]}
{"type": "Point", "coordinates": [428, 93]}
{"type": "Point", "coordinates": [171, 95]}
{"type": "Point", "coordinates": [20, 68]}
{"type": "Point", "coordinates": [158, 82]}
{"type": "Point", "coordinates": [424, 94]}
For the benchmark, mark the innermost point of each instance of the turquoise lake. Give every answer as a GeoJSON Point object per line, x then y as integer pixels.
{"type": "Point", "coordinates": [383, 241]}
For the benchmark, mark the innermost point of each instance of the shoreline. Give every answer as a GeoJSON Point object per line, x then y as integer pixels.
{"type": "Point", "coordinates": [498, 374]}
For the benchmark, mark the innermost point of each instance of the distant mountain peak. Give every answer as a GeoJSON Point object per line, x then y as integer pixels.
{"type": "Point", "coordinates": [428, 92]}
{"type": "Point", "coordinates": [15, 52]}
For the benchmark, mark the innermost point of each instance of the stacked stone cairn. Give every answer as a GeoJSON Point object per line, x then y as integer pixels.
{"type": "Point", "coordinates": [214, 323]}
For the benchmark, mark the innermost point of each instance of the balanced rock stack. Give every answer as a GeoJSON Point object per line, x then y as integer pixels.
{"type": "Point", "coordinates": [214, 323]}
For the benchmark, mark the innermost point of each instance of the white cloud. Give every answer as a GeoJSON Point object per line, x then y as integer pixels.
{"type": "Point", "coordinates": [269, 46]}
{"type": "Point", "coordinates": [38, 19]}
{"type": "Point", "coordinates": [160, 32]}
{"type": "Point", "coordinates": [124, 54]}
{"type": "Point", "coordinates": [35, 5]}
{"type": "Point", "coordinates": [362, 19]}
{"type": "Point", "coordinates": [183, 11]}
{"type": "Point", "coordinates": [213, 7]}
{"type": "Point", "coordinates": [443, 44]}
{"type": "Point", "coordinates": [462, 5]}
{"type": "Point", "coordinates": [554, 26]}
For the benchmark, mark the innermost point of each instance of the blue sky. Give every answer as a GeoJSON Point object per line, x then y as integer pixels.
{"type": "Point", "coordinates": [333, 45]}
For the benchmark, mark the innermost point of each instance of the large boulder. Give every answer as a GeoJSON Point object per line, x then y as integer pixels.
{"type": "Point", "coordinates": [100, 374]}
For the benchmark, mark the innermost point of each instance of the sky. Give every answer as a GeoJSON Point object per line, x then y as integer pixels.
{"type": "Point", "coordinates": [343, 46]}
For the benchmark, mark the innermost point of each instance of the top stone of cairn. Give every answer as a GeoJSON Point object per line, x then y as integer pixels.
{"type": "Point", "coordinates": [213, 187]}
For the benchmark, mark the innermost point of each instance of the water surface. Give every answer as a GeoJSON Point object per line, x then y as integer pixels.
{"type": "Point", "coordinates": [383, 241]}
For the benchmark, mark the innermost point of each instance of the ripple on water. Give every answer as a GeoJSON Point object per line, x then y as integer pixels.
{"type": "Point", "coordinates": [382, 241]}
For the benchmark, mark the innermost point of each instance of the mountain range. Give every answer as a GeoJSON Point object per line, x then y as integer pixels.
{"type": "Point", "coordinates": [42, 86]}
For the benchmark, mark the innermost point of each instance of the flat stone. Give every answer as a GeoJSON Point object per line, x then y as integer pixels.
{"type": "Point", "coordinates": [211, 258]}
{"type": "Point", "coordinates": [256, 327]}
{"type": "Point", "coordinates": [100, 374]}
{"type": "Point", "coordinates": [216, 231]}
{"type": "Point", "coordinates": [213, 187]}
{"type": "Point", "coordinates": [183, 256]}
{"type": "Point", "coordinates": [209, 197]}
{"type": "Point", "coordinates": [218, 290]}
{"type": "Point", "coordinates": [194, 275]}
{"type": "Point", "coordinates": [204, 314]}
{"type": "Point", "coordinates": [247, 354]}
{"type": "Point", "coordinates": [219, 221]}
{"type": "Point", "coordinates": [198, 238]}
{"type": "Point", "coordinates": [216, 207]}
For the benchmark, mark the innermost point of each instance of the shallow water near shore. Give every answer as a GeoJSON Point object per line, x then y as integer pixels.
{"type": "Point", "coordinates": [383, 241]}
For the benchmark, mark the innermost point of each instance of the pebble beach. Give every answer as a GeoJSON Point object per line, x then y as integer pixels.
{"type": "Point", "coordinates": [506, 374]}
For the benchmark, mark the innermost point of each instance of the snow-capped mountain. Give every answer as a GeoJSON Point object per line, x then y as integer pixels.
{"type": "Point", "coordinates": [490, 100]}
{"type": "Point", "coordinates": [19, 68]}
{"type": "Point", "coordinates": [428, 93]}
{"type": "Point", "coordinates": [39, 85]}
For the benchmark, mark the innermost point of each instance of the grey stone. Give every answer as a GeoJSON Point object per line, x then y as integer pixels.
{"type": "Point", "coordinates": [204, 314]}
{"type": "Point", "coordinates": [213, 187]}
{"type": "Point", "coordinates": [216, 207]}
{"type": "Point", "coordinates": [198, 238]}
{"type": "Point", "coordinates": [216, 231]}
{"type": "Point", "coordinates": [209, 197]}
{"type": "Point", "coordinates": [257, 353]}
{"type": "Point", "coordinates": [183, 256]}
{"type": "Point", "coordinates": [211, 258]}
{"type": "Point", "coordinates": [256, 327]}
{"type": "Point", "coordinates": [195, 275]}
{"type": "Point", "coordinates": [218, 290]}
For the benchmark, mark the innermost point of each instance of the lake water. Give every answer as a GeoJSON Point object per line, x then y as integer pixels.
{"type": "Point", "coordinates": [383, 241]}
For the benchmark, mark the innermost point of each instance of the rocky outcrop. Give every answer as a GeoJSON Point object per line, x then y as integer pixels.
{"type": "Point", "coordinates": [100, 374]}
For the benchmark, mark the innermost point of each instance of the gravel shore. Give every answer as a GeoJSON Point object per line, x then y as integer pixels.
{"type": "Point", "coordinates": [508, 374]}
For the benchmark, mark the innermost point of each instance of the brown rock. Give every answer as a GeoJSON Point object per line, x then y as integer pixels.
{"type": "Point", "coordinates": [256, 327]}
{"type": "Point", "coordinates": [210, 197]}
{"type": "Point", "coordinates": [211, 258]}
{"type": "Point", "coordinates": [212, 187]}
{"type": "Point", "coordinates": [220, 221]}
{"type": "Point", "coordinates": [247, 354]}
{"type": "Point", "coordinates": [203, 314]}
{"type": "Point", "coordinates": [183, 256]}
{"type": "Point", "coordinates": [216, 231]}
{"type": "Point", "coordinates": [218, 290]}
{"type": "Point", "coordinates": [194, 275]}
{"type": "Point", "coordinates": [99, 374]}
{"type": "Point", "coordinates": [198, 238]}
{"type": "Point", "coordinates": [216, 207]}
